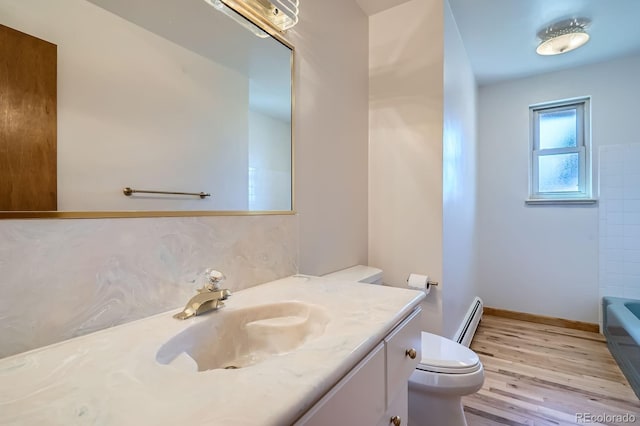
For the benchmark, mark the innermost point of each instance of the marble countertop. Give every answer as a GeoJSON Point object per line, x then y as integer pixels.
{"type": "Point", "coordinates": [112, 378]}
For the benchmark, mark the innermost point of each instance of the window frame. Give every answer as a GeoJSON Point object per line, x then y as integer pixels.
{"type": "Point", "coordinates": [582, 106]}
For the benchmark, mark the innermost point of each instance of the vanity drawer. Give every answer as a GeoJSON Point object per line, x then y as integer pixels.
{"type": "Point", "coordinates": [403, 352]}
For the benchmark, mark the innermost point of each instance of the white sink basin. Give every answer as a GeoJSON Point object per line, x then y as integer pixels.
{"type": "Point", "coordinates": [239, 338]}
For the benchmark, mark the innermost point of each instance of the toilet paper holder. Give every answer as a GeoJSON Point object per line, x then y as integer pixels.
{"type": "Point", "coordinates": [428, 283]}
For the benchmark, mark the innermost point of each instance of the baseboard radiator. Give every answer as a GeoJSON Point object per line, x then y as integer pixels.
{"type": "Point", "coordinates": [470, 323]}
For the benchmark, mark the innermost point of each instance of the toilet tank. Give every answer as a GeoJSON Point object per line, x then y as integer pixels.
{"type": "Point", "coordinates": [359, 273]}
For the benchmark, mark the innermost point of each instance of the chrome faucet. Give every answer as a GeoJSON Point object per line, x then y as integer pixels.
{"type": "Point", "coordinates": [209, 297]}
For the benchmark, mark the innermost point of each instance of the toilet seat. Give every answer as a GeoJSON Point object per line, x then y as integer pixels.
{"type": "Point", "coordinates": [441, 355]}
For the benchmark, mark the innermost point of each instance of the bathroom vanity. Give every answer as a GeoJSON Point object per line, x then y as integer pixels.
{"type": "Point", "coordinates": [300, 350]}
{"type": "Point", "coordinates": [375, 391]}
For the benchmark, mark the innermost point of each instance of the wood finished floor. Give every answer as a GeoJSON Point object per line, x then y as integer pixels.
{"type": "Point", "coordinates": [543, 375]}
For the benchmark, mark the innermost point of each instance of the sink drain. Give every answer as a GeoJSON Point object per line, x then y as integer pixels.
{"type": "Point", "coordinates": [231, 367]}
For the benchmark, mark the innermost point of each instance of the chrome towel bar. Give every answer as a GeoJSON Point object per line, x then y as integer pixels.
{"type": "Point", "coordinates": [129, 191]}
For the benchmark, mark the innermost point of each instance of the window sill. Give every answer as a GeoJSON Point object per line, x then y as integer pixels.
{"type": "Point", "coordinates": [560, 201]}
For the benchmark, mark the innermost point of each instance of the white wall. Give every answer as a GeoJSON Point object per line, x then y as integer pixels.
{"type": "Point", "coordinates": [459, 180]}
{"type": "Point", "coordinates": [405, 145]}
{"type": "Point", "coordinates": [331, 134]}
{"type": "Point", "coordinates": [269, 163]}
{"type": "Point", "coordinates": [135, 109]}
{"type": "Point", "coordinates": [544, 259]}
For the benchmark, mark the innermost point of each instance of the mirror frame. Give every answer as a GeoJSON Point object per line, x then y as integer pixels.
{"type": "Point", "coordinates": [278, 37]}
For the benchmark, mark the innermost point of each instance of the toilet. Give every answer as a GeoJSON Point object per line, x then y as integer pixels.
{"type": "Point", "coordinates": [358, 273]}
{"type": "Point", "coordinates": [447, 371]}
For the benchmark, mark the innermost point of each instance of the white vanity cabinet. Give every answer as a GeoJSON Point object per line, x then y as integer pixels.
{"type": "Point", "coordinates": [375, 391]}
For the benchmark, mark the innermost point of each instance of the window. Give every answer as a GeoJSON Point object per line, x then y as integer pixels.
{"type": "Point", "coordinates": [560, 151]}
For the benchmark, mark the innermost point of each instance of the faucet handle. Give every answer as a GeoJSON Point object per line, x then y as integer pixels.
{"type": "Point", "coordinates": [213, 279]}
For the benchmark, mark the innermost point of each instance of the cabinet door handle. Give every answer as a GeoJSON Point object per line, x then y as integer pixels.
{"type": "Point", "coordinates": [396, 420]}
{"type": "Point", "coordinates": [411, 353]}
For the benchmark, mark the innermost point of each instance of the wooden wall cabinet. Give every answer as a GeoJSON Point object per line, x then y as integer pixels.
{"type": "Point", "coordinates": [28, 122]}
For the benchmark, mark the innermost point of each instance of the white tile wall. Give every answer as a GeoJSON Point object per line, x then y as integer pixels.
{"type": "Point", "coordinates": [620, 221]}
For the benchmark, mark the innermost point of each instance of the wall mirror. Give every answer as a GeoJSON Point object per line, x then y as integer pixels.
{"type": "Point", "coordinates": [169, 96]}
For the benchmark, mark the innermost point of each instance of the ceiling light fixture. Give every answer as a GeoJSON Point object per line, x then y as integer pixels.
{"type": "Point", "coordinates": [563, 36]}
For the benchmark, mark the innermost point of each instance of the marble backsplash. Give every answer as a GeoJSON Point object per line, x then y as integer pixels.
{"type": "Point", "coordinates": [64, 278]}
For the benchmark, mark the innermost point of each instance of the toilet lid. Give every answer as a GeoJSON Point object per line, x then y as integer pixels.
{"type": "Point", "coordinates": [442, 355]}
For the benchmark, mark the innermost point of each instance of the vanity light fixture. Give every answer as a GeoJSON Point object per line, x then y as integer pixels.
{"type": "Point", "coordinates": [562, 37]}
{"type": "Point", "coordinates": [250, 26]}
{"type": "Point", "coordinates": [279, 15]}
